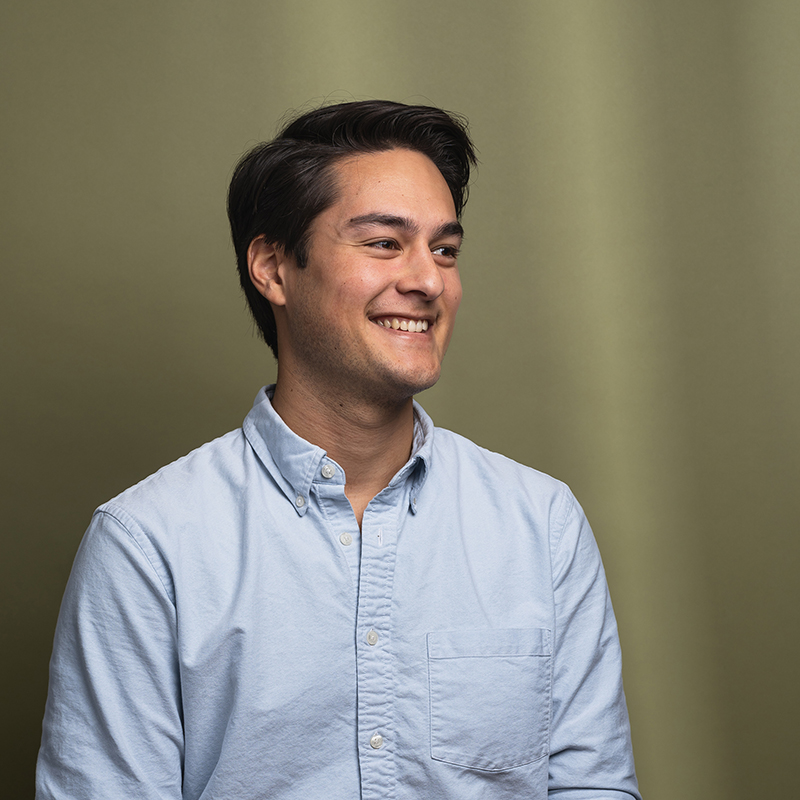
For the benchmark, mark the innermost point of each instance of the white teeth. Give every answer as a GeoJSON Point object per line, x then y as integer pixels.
{"type": "Point", "coordinates": [415, 326]}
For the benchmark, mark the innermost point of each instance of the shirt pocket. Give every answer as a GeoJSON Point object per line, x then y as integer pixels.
{"type": "Point", "coordinates": [490, 696]}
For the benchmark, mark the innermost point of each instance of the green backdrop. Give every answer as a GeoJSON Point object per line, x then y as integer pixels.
{"type": "Point", "coordinates": [630, 321]}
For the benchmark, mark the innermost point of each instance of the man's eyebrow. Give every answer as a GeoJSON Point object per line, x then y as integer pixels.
{"type": "Point", "coordinates": [453, 228]}
{"type": "Point", "coordinates": [450, 229]}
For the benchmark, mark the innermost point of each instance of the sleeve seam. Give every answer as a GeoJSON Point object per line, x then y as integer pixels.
{"type": "Point", "coordinates": [567, 504]}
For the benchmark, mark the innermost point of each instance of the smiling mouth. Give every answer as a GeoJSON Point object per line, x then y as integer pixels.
{"type": "Point", "coordinates": [403, 324]}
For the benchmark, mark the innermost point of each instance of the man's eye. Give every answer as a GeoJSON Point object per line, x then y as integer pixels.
{"type": "Point", "coordinates": [384, 244]}
{"type": "Point", "coordinates": [449, 251]}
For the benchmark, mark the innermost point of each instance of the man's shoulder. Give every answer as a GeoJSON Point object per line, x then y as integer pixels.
{"type": "Point", "coordinates": [201, 473]}
{"type": "Point", "coordinates": [479, 481]}
{"type": "Point", "coordinates": [458, 452]}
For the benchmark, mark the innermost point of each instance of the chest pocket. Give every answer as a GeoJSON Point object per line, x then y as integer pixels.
{"type": "Point", "coordinates": [490, 696]}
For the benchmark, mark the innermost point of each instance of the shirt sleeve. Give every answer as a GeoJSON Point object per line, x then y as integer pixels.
{"type": "Point", "coordinates": [112, 724]}
{"type": "Point", "coordinates": [590, 747]}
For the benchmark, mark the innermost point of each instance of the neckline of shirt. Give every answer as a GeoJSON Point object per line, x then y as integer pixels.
{"type": "Point", "coordinates": [296, 464]}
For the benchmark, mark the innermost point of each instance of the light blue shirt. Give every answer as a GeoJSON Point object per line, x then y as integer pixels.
{"type": "Point", "coordinates": [227, 632]}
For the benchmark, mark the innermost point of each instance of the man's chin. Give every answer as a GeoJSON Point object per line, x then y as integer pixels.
{"type": "Point", "coordinates": [398, 390]}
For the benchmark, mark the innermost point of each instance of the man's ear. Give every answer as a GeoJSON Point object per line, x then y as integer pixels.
{"type": "Point", "coordinates": [267, 264]}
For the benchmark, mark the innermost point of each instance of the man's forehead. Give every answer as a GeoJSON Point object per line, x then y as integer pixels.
{"type": "Point", "coordinates": [390, 186]}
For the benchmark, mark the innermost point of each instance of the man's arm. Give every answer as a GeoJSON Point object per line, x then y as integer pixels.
{"type": "Point", "coordinates": [112, 725]}
{"type": "Point", "coordinates": [590, 748]}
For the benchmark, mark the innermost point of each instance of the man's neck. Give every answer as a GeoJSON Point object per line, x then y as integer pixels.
{"type": "Point", "coordinates": [370, 441]}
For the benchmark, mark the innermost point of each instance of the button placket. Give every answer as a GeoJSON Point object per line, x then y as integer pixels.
{"type": "Point", "coordinates": [328, 486]}
{"type": "Point", "coordinates": [373, 652]}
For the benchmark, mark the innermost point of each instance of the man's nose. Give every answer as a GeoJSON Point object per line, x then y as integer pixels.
{"type": "Point", "coordinates": [421, 274]}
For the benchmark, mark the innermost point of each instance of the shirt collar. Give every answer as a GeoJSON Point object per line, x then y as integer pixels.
{"type": "Point", "coordinates": [295, 463]}
{"type": "Point", "coordinates": [420, 461]}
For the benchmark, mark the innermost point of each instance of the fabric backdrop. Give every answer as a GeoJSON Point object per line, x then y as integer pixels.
{"type": "Point", "coordinates": [630, 321]}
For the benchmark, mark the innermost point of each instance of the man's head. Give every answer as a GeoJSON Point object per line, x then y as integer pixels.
{"type": "Point", "coordinates": [280, 187]}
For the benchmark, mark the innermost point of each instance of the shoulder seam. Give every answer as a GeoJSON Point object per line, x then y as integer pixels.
{"type": "Point", "coordinates": [107, 512]}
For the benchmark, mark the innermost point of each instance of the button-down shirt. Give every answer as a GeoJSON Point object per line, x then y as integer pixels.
{"type": "Point", "coordinates": [228, 632]}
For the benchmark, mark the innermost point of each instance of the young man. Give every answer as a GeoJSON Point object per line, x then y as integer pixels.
{"type": "Point", "coordinates": [339, 600]}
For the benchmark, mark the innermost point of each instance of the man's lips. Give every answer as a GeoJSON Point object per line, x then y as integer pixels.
{"type": "Point", "coordinates": [402, 323]}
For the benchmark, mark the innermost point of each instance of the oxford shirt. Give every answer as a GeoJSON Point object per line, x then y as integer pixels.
{"type": "Point", "coordinates": [228, 632]}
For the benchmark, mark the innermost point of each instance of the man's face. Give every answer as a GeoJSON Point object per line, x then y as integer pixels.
{"type": "Point", "coordinates": [371, 314]}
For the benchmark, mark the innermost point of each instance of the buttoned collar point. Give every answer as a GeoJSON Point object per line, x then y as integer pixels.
{"type": "Point", "coordinates": [296, 465]}
{"type": "Point", "coordinates": [292, 462]}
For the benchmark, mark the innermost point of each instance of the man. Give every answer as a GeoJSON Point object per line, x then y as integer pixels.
{"type": "Point", "coordinates": [339, 600]}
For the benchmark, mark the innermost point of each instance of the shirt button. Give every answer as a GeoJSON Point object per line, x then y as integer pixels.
{"type": "Point", "coordinates": [376, 742]}
{"type": "Point", "coordinates": [300, 501]}
{"type": "Point", "coordinates": [328, 471]}
{"type": "Point", "coordinates": [372, 638]}
{"type": "Point", "coordinates": [346, 539]}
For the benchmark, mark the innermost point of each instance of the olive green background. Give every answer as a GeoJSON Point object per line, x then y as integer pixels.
{"type": "Point", "coordinates": [630, 318]}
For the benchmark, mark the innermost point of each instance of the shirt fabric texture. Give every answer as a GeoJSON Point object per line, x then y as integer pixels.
{"type": "Point", "coordinates": [227, 632]}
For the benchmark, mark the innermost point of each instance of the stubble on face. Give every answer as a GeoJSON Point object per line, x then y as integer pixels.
{"type": "Point", "coordinates": [324, 359]}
